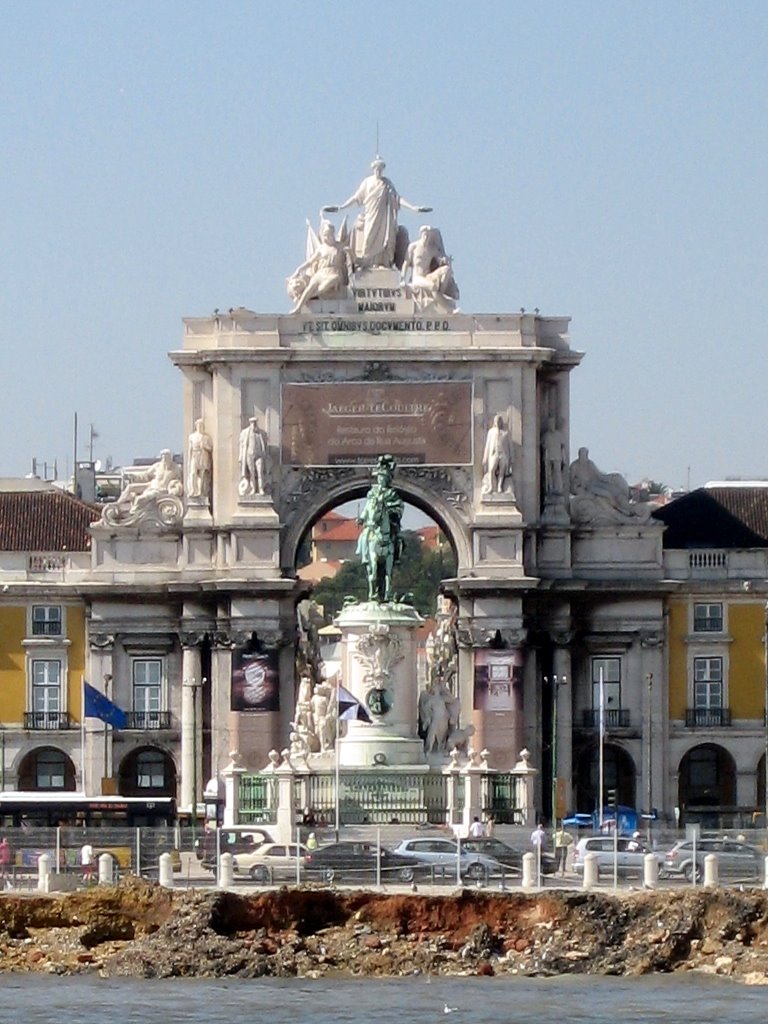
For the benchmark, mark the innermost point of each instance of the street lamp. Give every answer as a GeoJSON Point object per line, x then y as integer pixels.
{"type": "Point", "coordinates": [649, 783]}
{"type": "Point", "coordinates": [557, 682]}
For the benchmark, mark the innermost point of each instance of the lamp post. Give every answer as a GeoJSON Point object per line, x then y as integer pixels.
{"type": "Point", "coordinates": [556, 682]}
{"type": "Point", "coordinates": [765, 718]}
{"type": "Point", "coordinates": [649, 781]}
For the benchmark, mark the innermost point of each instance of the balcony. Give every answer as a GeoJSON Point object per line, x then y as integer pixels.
{"type": "Point", "coordinates": [614, 718]}
{"type": "Point", "coordinates": [148, 720]}
{"type": "Point", "coordinates": [707, 718]}
{"type": "Point", "coordinates": [47, 721]}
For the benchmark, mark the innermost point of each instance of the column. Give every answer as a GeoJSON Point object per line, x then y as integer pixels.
{"type": "Point", "coordinates": [96, 757]}
{"type": "Point", "coordinates": [561, 662]}
{"type": "Point", "coordinates": [191, 727]}
{"type": "Point", "coordinates": [651, 775]}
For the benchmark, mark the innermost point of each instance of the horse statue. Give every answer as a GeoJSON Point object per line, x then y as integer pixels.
{"type": "Point", "coordinates": [380, 544]}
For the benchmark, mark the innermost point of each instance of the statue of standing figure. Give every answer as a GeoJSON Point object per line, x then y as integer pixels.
{"type": "Point", "coordinates": [199, 462]}
{"type": "Point", "coordinates": [253, 458]}
{"type": "Point", "coordinates": [375, 235]}
{"type": "Point", "coordinates": [380, 543]}
{"type": "Point", "coordinates": [497, 459]}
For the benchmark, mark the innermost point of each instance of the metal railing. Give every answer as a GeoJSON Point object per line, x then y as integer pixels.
{"type": "Point", "coordinates": [707, 718]}
{"type": "Point", "coordinates": [147, 720]}
{"type": "Point", "coordinates": [614, 718]}
{"type": "Point", "coordinates": [45, 721]}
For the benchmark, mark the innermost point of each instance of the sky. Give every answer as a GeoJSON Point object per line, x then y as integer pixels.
{"type": "Point", "coordinates": [604, 161]}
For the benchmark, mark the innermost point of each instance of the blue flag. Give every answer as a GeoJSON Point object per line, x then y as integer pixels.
{"type": "Point", "coordinates": [96, 705]}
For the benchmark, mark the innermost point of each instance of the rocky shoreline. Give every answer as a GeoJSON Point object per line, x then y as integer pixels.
{"type": "Point", "coordinates": [139, 929]}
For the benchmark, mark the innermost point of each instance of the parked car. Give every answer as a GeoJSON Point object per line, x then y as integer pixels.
{"type": "Point", "coordinates": [358, 862]}
{"type": "Point", "coordinates": [230, 840]}
{"type": "Point", "coordinates": [443, 853]}
{"type": "Point", "coordinates": [511, 858]}
{"type": "Point", "coordinates": [270, 862]}
{"type": "Point", "coordinates": [628, 855]}
{"type": "Point", "coordinates": [735, 859]}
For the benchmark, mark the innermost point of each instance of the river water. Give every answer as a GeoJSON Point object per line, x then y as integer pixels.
{"type": "Point", "coordinates": [89, 1000]}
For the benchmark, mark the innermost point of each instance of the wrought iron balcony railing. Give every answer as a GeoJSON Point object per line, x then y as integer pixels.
{"type": "Point", "coordinates": [47, 720]}
{"type": "Point", "coordinates": [146, 720]}
{"type": "Point", "coordinates": [615, 718]}
{"type": "Point", "coordinates": [707, 718]}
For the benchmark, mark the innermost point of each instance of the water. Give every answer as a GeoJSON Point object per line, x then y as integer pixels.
{"type": "Point", "coordinates": [90, 1000]}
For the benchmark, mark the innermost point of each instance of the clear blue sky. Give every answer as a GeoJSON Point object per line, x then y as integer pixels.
{"type": "Point", "coordinates": [601, 160]}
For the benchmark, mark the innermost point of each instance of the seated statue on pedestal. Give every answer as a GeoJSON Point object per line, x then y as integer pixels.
{"type": "Point", "coordinates": [151, 495]}
{"type": "Point", "coordinates": [325, 272]}
{"type": "Point", "coordinates": [602, 497]}
{"type": "Point", "coordinates": [431, 274]}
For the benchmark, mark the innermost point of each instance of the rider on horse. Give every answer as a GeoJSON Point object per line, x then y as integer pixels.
{"type": "Point", "coordinates": [380, 544]}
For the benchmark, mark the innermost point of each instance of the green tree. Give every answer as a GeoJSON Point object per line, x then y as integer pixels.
{"type": "Point", "coordinates": [419, 573]}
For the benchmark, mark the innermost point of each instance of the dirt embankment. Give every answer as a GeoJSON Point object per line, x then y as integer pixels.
{"type": "Point", "coordinates": [139, 929]}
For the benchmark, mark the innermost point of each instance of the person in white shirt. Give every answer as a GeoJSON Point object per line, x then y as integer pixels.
{"type": "Point", "coordinates": [477, 829]}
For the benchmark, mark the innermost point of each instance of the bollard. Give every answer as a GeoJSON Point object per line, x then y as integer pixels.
{"type": "Point", "coordinates": [529, 871]}
{"type": "Point", "coordinates": [106, 869]}
{"type": "Point", "coordinates": [589, 881]}
{"type": "Point", "coordinates": [226, 870]}
{"type": "Point", "coordinates": [650, 871]}
{"type": "Point", "coordinates": [710, 870]}
{"type": "Point", "coordinates": [44, 872]}
{"type": "Point", "coordinates": [165, 870]}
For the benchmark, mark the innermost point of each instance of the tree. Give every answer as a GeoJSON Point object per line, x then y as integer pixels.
{"type": "Point", "coordinates": [419, 573]}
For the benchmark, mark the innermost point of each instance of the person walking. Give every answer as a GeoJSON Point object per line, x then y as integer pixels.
{"type": "Point", "coordinates": [561, 841]}
{"type": "Point", "coordinates": [86, 861]}
{"type": "Point", "coordinates": [538, 842]}
{"type": "Point", "coordinates": [5, 858]}
{"type": "Point", "coordinates": [476, 829]}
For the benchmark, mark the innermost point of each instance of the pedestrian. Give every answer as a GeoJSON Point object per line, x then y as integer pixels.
{"type": "Point", "coordinates": [539, 838]}
{"type": "Point", "coordinates": [476, 829]}
{"type": "Point", "coordinates": [490, 824]}
{"type": "Point", "coordinates": [86, 861]}
{"type": "Point", "coordinates": [561, 840]}
{"type": "Point", "coordinates": [311, 841]}
{"type": "Point", "coordinates": [635, 844]}
{"type": "Point", "coordinates": [5, 857]}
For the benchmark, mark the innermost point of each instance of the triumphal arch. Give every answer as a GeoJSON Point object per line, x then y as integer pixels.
{"type": "Point", "coordinates": [286, 416]}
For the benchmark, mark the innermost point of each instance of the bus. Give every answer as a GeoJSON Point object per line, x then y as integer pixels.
{"type": "Point", "coordinates": [132, 831]}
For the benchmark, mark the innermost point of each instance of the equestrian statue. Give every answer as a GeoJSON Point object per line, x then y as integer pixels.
{"type": "Point", "coordinates": [380, 543]}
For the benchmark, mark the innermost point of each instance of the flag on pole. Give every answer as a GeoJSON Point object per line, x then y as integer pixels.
{"type": "Point", "coordinates": [97, 705]}
{"type": "Point", "coordinates": [350, 708]}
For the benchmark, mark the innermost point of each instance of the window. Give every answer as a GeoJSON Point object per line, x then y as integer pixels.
{"type": "Point", "coordinates": [147, 685]}
{"type": "Point", "coordinates": [609, 669]}
{"type": "Point", "coordinates": [150, 769]}
{"type": "Point", "coordinates": [46, 686]}
{"type": "Point", "coordinates": [707, 618]}
{"type": "Point", "coordinates": [46, 620]}
{"type": "Point", "coordinates": [708, 683]}
{"type": "Point", "coordinates": [51, 769]}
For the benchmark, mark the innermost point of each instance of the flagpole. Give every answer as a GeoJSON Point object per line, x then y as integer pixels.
{"type": "Point", "coordinates": [601, 758]}
{"type": "Point", "coordinates": [82, 734]}
{"type": "Point", "coordinates": [338, 758]}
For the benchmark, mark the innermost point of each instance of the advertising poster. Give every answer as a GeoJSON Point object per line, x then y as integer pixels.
{"type": "Point", "coordinates": [255, 681]}
{"type": "Point", "coordinates": [498, 681]}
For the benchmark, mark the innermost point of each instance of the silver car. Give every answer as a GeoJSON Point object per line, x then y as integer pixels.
{"type": "Point", "coordinates": [735, 859]}
{"type": "Point", "coordinates": [443, 854]}
{"type": "Point", "coordinates": [626, 855]}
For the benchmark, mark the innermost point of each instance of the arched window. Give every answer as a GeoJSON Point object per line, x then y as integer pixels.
{"type": "Point", "coordinates": [47, 769]}
{"type": "Point", "coordinates": [150, 769]}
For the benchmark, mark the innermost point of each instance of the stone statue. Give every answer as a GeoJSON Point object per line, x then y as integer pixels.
{"type": "Point", "coordinates": [380, 544]}
{"type": "Point", "coordinates": [199, 462]}
{"type": "Point", "coordinates": [553, 457]}
{"type": "Point", "coordinates": [324, 716]}
{"type": "Point", "coordinates": [253, 456]}
{"type": "Point", "coordinates": [497, 460]}
{"type": "Point", "coordinates": [431, 274]}
{"type": "Point", "coordinates": [325, 273]}
{"type": "Point", "coordinates": [601, 498]}
{"type": "Point", "coordinates": [375, 234]}
{"type": "Point", "coordinates": [151, 495]}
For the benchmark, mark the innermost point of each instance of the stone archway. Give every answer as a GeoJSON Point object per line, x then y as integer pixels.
{"type": "Point", "coordinates": [706, 784]}
{"type": "Point", "coordinates": [47, 769]}
{"type": "Point", "coordinates": [619, 778]}
{"type": "Point", "coordinates": [147, 771]}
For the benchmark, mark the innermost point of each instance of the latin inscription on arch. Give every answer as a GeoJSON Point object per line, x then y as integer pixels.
{"type": "Point", "coordinates": [347, 424]}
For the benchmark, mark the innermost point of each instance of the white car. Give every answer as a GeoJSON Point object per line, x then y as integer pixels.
{"type": "Point", "coordinates": [627, 854]}
{"type": "Point", "coordinates": [270, 862]}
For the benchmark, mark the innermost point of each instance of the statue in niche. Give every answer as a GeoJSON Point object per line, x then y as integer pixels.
{"type": "Point", "coordinates": [150, 495]}
{"type": "Point", "coordinates": [376, 239]}
{"type": "Point", "coordinates": [253, 455]}
{"type": "Point", "coordinates": [553, 458]}
{"type": "Point", "coordinates": [497, 460]}
{"type": "Point", "coordinates": [380, 543]}
{"type": "Point", "coordinates": [430, 270]}
{"type": "Point", "coordinates": [199, 462]}
{"type": "Point", "coordinates": [601, 498]}
{"type": "Point", "coordinates": [325, 272]}
{"type": "Point", "coordinates": [324, 716]}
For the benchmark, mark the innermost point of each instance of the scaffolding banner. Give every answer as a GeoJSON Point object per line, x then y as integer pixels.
{"type": "Point", "coordinates": [255, 681]}
{"type": "Point", "coordinates": [498, 680]}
